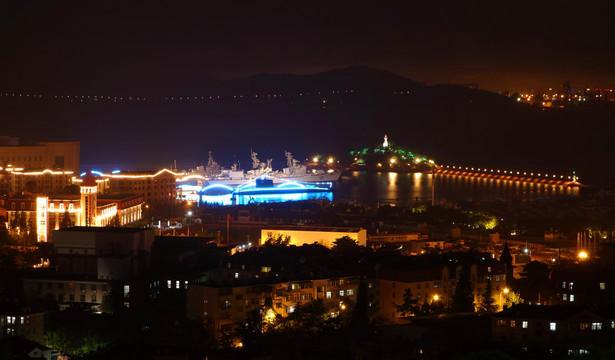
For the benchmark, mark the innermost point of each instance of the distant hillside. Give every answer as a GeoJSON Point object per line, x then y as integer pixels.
{"type": "Point", "coordinates": [329, 112]}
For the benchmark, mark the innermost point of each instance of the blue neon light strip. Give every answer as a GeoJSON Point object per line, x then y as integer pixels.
{"type": "Point", "coordinates": [291, 183]}
{"type": "Point", "coordinates": [222, 186]}
{"type": "Point", "coordinates": [95, 172]}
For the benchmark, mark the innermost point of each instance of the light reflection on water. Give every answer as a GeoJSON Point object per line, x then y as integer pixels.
{"type": "Point", "coordinates": [404, 188]}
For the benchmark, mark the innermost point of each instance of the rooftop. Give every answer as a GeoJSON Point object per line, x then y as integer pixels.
{"type": "Point", "coordinates": [312, 228]}
{"type": "Point", "coordinates": [555, 312]}
{"type": "Point", "coordinates": [117, 196]}
{"type": "Point", "coordinates": [102, 229]}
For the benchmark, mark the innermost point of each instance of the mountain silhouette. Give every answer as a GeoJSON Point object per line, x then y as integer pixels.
{"type": "Point", "coordinates": [330, 112]}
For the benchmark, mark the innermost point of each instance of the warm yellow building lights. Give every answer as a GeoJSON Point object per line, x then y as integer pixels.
{"type": "Point", "coordinates": [41, 219]}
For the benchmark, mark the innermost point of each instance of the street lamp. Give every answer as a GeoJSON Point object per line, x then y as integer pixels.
{"type": "Point", "coordinates": [505, 291]}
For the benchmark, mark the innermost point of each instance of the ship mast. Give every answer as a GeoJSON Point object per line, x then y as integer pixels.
{"type": "Point", "coordinates": [255, 161]}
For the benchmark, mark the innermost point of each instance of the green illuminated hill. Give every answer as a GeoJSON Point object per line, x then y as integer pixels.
{"type": "Point", "coordinates": [388, 156]}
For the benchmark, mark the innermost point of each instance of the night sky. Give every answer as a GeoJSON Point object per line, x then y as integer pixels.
{"type": "Point", "coordinates": [514, 45]}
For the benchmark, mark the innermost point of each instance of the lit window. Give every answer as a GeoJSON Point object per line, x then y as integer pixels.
{"type": "Point", "coordinates": [177, 284]}
{"type": "Point", "coordinates": [565, 297]}
{"type": "Point", "coordinates": [571, 298]}
{"type": "Point", "coordinates": [497, 278]}
{"type": "Point", "coordinates": [70, 206]}
{"type": "Point", "coordinates": [602, 286]}
{"type": "Point", "coordinates": [350, 292]}
{"type": "Point", "coordinates": [570, 285]}
{"type": "Point", "coordinates": [169, 284]}
{"type": "Point", "coordinates": [583, 352]}
{"type": "Point", "coordinates": [341, 292]}
{"type": "Point", "coordinates": [563, 284]}
{"type": "Point", "coordinates": [552, 326]}
{"type": "Point", "coordinates": [513, 323]}
{"type": "Point", "coordinates": [328, 294]}
{"type": "Point", "coordinates": [62, 206]}
{"type": "Point", "coordinates": [291, 309]}
{"type": "Point", "coordinates": [524, 324]}
{"type": "Point", "coordinates": [596, 326]}
{"type": "Point", "coordinates": [236, 275]}
{"type": "Point", "coordinates": [21, 320]}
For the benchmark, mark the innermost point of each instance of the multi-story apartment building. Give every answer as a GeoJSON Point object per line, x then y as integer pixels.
{"type": "Point", "coordinates": [435, 283]}
{"type": "Point", "coordinates": [158, 188]}
{"type": "Point", "coordinates": [427, 285]}
{"type": "Point", "coordinates": [224, 308]}
{"type": "Point", "coordinates": [88, 262]}
{"type": "Point", "coordinates": [583, 284]}
{"type": "Point", "coordinates": [485, 271]}
{"type": "Point", "coordinates": [65, 289]}
{"type": "Point", "coordinates": [17, 181]}
{"type": "Point", "coordinates": [557, 330]}
{"type": "Point", "coordinates": [39, 155]}
{"type": "Point", "coordinates": [22, 321]}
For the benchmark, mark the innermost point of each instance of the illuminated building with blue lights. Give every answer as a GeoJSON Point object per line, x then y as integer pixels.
{"type": "Point", "coordinates": [260, 190]}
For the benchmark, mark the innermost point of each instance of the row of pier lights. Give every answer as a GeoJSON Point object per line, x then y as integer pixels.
{"type": "Point", "coordinates": [573, 178]}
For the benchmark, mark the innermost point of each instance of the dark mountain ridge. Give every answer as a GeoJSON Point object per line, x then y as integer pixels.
{"type": "Point", "coordinates": [329, 112]}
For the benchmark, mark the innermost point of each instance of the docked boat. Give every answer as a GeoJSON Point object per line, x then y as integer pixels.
{"type": "Point", "coordinates": [213, 173]}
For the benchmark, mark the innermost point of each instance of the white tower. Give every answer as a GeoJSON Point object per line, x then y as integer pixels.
{"type": "Point", "coordinates": [89, 191]}
{"type": "Point", "coordinates": [385, 144]}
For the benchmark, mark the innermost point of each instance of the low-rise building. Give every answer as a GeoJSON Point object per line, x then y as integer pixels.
{"type": "Point", "coordinates": [322, 235]}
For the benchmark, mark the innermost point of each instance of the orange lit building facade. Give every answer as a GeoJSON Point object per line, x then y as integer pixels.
{"type": "Point", "coordinates": [224, 308]}
{"type": "Point", "coordinates": [45, 213]}
{"type": "Point", "coordinates": [39, 155]}
{"type": "Point", "coordinates": [158, 188]}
